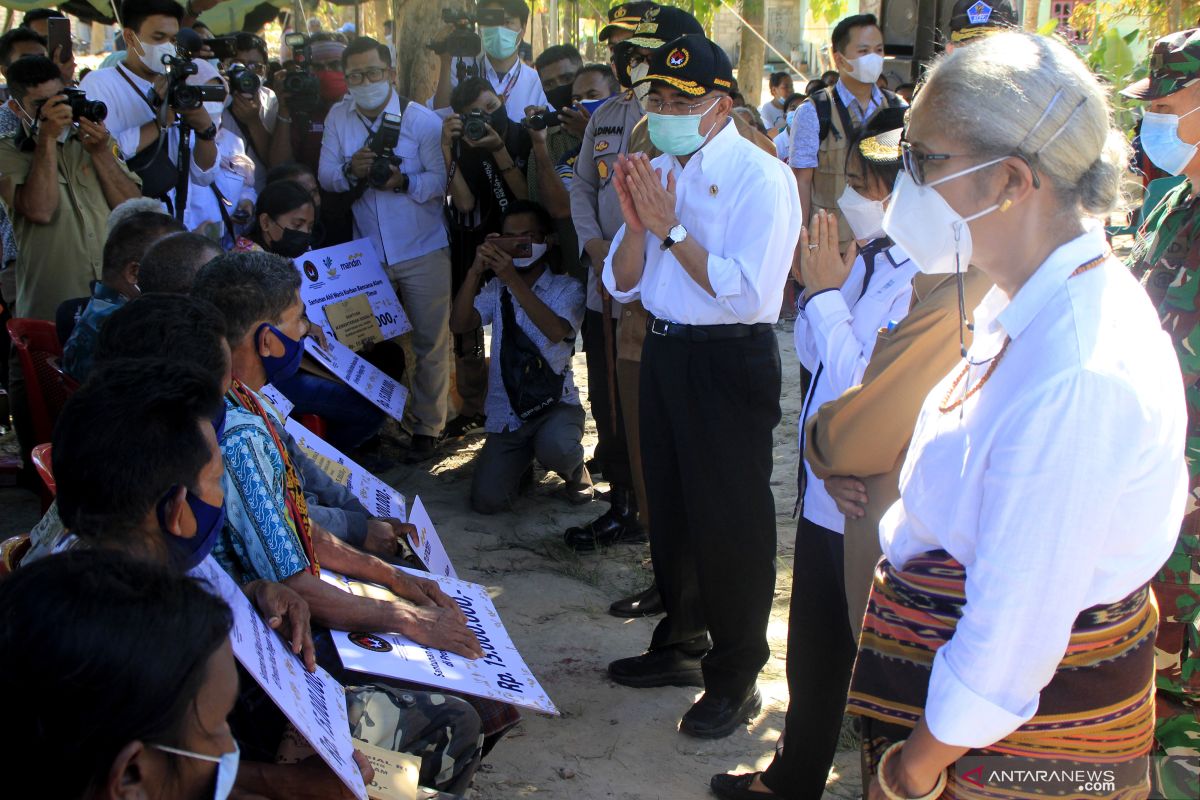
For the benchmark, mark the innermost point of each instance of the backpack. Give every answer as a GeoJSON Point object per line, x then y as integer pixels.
{"type": "Point", "coordinates": [821, 101]}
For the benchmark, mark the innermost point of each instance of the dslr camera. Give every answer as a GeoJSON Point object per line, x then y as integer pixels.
{"type": "Point", "coordinates": [383, 143]}
{"type": "Point", "coordinates": [82, 108]}
{"type": "Point", "coordinates": [463, 41]}
{"type": "Point", "coordinates": [180, 94]}
{"type": "Point", "coordinates": [475, 125]}
{"type": "Point", "coordinates": [539, 122]}
{"type": "Point", "coordinates": [302, 87]}
{"type": "Point", "coordinates": [242, 79]}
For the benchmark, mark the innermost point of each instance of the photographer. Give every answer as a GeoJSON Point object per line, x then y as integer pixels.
{"type": "Point", "coordinates": [383, 150]}
{"type": "Point", "coordinates": [487, 154]}
{"type": "Point", "coordinates": [251, 115]}
{"type": "Point", "coordinates": [501, 27]}
{"type": "Point", "coordinates": [61, 182]}
{"type": "Point", "coordinates": [38, 21]}
{"type": "Point", "coordinates": [533, 408]}
{"type": "Point", "coordinates": [137, 93]}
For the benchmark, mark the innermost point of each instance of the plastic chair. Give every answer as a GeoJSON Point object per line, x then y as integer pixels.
{"type": "Point", "coordinates": [314, 423]}
{"type": "Point", "coordinates": [37, 344]}
{"type": "Point", "coordinates": [1156, 192]}
{"type": "Point", "coordinates": [42, 463]}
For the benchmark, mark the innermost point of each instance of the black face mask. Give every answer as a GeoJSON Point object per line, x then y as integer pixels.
{"type": "Point", "coordinates": [292, 244]}
{"type": "Point", "coordinates": [560, 97]}
{"type": "Point", "coordinates": [499, 121]}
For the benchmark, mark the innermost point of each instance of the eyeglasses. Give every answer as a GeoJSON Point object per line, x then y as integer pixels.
{"type": "Point", "coordinates": [372, 75]}
{"type": "Point", "coordinates": [914, 162]}
{"type": "Point", "coordinates": [656, 106]}
{"type": "Point", "coordinates": [257, 67]}
{"type": "Point", "coordinates": [326, 66]}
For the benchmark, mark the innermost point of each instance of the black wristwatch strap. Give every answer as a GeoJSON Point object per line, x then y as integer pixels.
{"type": "Point", "coordinates": [208, 134]}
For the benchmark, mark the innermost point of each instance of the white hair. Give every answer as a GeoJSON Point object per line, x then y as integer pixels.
{"type": "Point", "coordinates": [1019, 93]}
{"type": "Point", "coordinates": [134, 205]}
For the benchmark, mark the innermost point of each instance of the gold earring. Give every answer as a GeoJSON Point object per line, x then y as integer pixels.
{"type": "Point", "coordinates": [1005, 206]}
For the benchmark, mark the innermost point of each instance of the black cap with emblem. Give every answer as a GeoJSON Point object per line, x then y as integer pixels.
{"type": "Point", "coordinates": [625, 17]}
{"type": "Point", "coordinates": [692, 64]}
{"type": "Point", "coordinates": [972, 18]}
{"type": "Point", "coordinates": [662, 24]}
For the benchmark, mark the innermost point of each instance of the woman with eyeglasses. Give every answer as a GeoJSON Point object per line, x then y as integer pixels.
{"type": "Point", "coordinates": [1010, 628]}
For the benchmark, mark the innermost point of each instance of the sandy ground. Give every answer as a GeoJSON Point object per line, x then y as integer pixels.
{"type": "Point", "coordinates": [611, 741]}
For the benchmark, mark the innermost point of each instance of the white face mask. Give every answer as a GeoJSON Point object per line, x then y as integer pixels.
{"type": "Point", "coordinates": [1160, 140]}
{"type": "Point", "coordinates": [227, 766]}
{"type": "Point", "coordinates": [539, 250]}
{"type": "Point", "coordinates": [215, 109]}
{"type": "Point", "coordinates": [864, 216]}
{"type": "Point", "coordinates": [635, 75]}
{"type": "Point", "coordinates": [370, 95]}
{"type": "Point", "coordinates": [936, 237]}
{"type": "Point", "coordinates": [152, 55]}
{"type": "Point", "coordinates": [866, 68]}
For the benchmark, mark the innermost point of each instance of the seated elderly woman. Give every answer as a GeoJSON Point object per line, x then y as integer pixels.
{"type": "Point", "coordinates": [1010, 617]}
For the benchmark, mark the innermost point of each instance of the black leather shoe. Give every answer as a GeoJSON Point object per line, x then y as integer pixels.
{"type": "Point", "coordinates": [715, 717]}
{"type": "Point", "coordinates": [604, 531]}
{"type": "Point", "coordinates": [737, 787]}
{"type": "Point", "coordinates": [666, 666]}
{"type": "Point", "coordinates": [643, 604]}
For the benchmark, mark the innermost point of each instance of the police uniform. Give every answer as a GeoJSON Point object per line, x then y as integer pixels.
{"type": "Point", "coordinates": [709, 402]}
{"type": "Point", "coordinates": [1167, 259]}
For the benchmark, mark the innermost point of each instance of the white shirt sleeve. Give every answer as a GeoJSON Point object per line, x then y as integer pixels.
{"type": "Point", "coordinates": [610, 279]}
{"type": "Point", "coordinates": [844, 356]}
{"type": "Point", "coordinates": [96, 87]}
{"type": "Point", "coordinates": [329, 170]}
{"type": "Point", "coordinates": [742, 275]}
{"type": "Point", "coordinates": [1050, 485]}
{"type": "Point", "coordinates": [430, 181]}
{"type": "Point", "coordinates": [804, 337]}
{"type": "Point", "coordinates": [806, 137]}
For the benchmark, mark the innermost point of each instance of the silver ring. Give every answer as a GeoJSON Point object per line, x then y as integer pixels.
{"type": "Point", "coordinates": [814, 246]}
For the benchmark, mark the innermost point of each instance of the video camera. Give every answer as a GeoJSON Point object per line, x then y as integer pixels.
{"type": "Point", "coordinates": [242, 79]}
{"type": "Point", "coordinates": [383, 143]}
{"type": "Point", "coordinates": [475, 125]}
{"type": "Point", "coordinates": [82, 107]}
{"type": "Point", "coordinates": [302, 87]}
{"type": "Point", "coordinates": [180, 94]}
{"type": "Point", "coordinates": [539, 122]}
{"type": "Point", "coordinates": [463, 41]}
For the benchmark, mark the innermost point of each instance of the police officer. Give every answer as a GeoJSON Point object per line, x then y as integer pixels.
{"type": "Point", "coordinates": [1167, 257]}
{"type": "Point", "coordinates": [825, 124]}
{"type": "Point", "coordinates": [694, 250]}
{"type": "Point", "coordinates": [597, 217]}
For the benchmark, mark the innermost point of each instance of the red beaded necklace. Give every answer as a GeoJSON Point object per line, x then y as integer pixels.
{"type": "Point", "coordinates": [946, 406]}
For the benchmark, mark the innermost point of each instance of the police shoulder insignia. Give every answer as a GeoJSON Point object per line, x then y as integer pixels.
{"type": "Point", "coordinates": [677, 58]}
{"type": "Point", "coordinates": [602, 170]}
{"type": "Point", "coordinates": [601, 147]}
{"type": "Point", "coordinates": [979, 14]}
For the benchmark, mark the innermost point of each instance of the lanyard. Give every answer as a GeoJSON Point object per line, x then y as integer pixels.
{"type": "Point", "coordinates": [144, 96]}
{"type": "Point", "coordinates": [511, 83]}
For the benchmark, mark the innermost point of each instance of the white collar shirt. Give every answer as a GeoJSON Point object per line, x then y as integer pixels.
{"type": "Point", "coordinates": [835, 335]}
{"type": "Point", "coordinates": [741, 205]}
{"type": "Point", "coordinates": [518, 88]}
{"type": "Point", "coordinates": [403, 225]}
{"type": "Point", "coordinates": [269, 114]}
{"type": "Point", "coordinates": [1059, 485]}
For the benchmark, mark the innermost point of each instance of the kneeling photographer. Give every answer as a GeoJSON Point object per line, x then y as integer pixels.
{"type": "Point", "coordinates": [383, 150]}
{"type": "Point", "coordinates": [156, 117]}
{"type": "Point", "coordinates": [486, 153]}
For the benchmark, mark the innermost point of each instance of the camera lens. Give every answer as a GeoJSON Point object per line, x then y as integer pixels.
{"type": "Point", "coordinates": [380, 172]}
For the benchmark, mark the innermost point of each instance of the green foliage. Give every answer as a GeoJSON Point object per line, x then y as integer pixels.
{"type": "Point", "coordinates": [829, 10]}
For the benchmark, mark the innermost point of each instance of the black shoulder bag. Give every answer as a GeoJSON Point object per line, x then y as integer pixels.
{"type": "Point", "coordinates": [531, 384]}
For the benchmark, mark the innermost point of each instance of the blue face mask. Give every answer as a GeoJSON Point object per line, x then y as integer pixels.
{"type": "Point", "coordinates": [677, 134]}
{"type": "Point", "coordinates": [592, 105]}
{"type": "Point", "coordinates": [789, 117]}
{"type": "Point", "coordinates": [186, 554]}
{"type": "Point", "coordinates": [500, 42]}
{"type": "Point", "coordinates": [227, 766]}
{"type": "Point", "coordinates": [1160, 140]}
{"type": "Point", "coordinates": [280, 368]}
{"type": "Point", "coordinates": [219, 422]}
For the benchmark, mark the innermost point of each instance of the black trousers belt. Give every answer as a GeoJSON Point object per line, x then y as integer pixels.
{"type": "Point", "coordinates": [704, 333]}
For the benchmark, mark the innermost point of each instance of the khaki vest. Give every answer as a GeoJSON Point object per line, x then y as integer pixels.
{"type": "Point", "coordinates": [829, 178]}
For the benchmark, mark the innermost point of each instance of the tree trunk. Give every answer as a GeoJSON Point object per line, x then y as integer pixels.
{"type": "Point", "coordinates": [416, 66]}
{"type": "Point", "coordinates": [753, 52]}
{"type": "Point", "coordinates": [1030, 16]}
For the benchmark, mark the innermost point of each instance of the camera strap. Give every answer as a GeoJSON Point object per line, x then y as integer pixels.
{"type": "Point", "coordinates": [145, 97]}
{"type": "Point", "coordinates": [222, 204]}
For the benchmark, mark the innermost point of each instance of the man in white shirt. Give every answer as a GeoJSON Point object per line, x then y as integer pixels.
{"type": "Point", "coordinates": [135, 91]}
{"type": "Point", "coordinates": [402, 215]}
{"type": "Point", "coordinates": [516, 83]}
{"type": "Point", "coordinates": [711, 277]}
{"type": "Point", "coordinates": [773, 110]}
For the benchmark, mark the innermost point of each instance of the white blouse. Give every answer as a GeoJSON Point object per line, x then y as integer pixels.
{"type": "Point", "coordinates": [1060, 485]}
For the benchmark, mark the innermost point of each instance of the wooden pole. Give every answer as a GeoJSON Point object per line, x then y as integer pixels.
{"type": "Point", "coordinates": [1029, 17]}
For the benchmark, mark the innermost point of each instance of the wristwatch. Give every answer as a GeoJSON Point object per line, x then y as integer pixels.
{"type": "Point", "coordinates": [208, 134]}
{"type": "Point", "coordinates": [674, 237]}
{"type": "Point", "coordinates": [403, 187]}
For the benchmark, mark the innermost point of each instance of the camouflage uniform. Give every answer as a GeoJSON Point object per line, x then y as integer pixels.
{"type": "Point", "coordinates": [1167, 259]}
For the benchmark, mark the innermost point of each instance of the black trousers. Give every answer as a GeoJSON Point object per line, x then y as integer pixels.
{"type": "Point", "coordinates": [707, 413]}
{"type": "Point", "coordinates": [820, 658]}
{"type": "Point", "coordinates": [612, 452]}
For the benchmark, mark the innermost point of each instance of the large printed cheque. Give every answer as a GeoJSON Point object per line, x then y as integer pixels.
{"type": "Point", "coordinates": [500, 675]}
{"type": "Point", "coordinates": [376, 496]}
{"type": "Point", "coordinates": [314, 702]}
{"type": "Point", "coordinates": [333, 274]}
{"type": "Point", "coordinates": [364, 378]}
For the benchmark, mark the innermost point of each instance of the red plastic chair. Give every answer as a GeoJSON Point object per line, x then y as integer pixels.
{"type": "Point", "coordinates": [314, 423]}
{"type": "Point", "coordinates": [39, 352]}
{"type": "Point", "coordinates": [42, 463]}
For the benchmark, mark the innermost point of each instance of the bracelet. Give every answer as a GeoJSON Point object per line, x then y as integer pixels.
{"type": "Point", "coordinates": [509, 168]}
{"type": "Point", "coordinates": [891, 793]}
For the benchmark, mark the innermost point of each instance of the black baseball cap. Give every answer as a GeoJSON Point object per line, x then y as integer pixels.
{"type": "Point", "coordinates": [692, 64]}
{"type": "Point", "coordinates": [625, 17]}
{"type": "Point", "coordinates": [972, 18]}
{"type": "Point", "coordinates": [663, 24]}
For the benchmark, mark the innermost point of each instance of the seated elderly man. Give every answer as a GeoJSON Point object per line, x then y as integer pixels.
{"type": "Point", "coordinates": [123, 251]}
{"type": "Point", "coordinates": [171, 263]}
{"type": "Point", "coordinates": [159, 419]}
